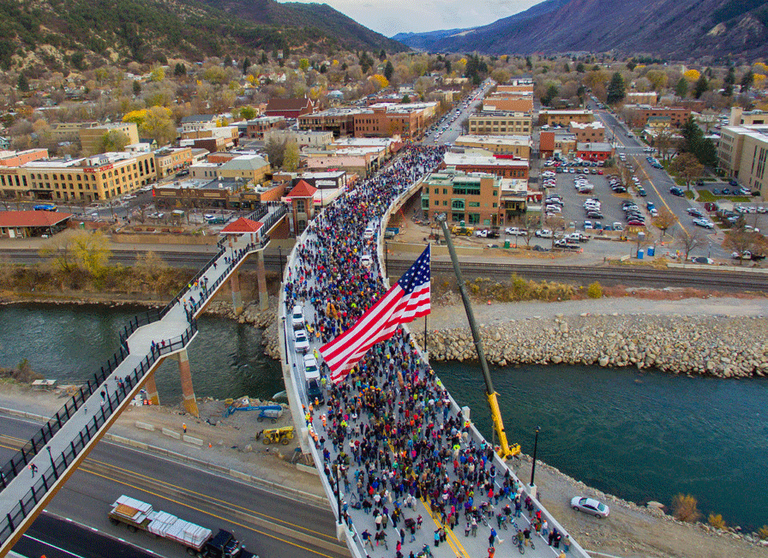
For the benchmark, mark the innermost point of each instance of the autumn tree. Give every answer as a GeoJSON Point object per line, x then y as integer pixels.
{"type": "Point", "coordinates": [78, 248]}
{"type": "Point", "coordinates": [740, 240]}
{"type": "Point", "coordinates": [275, 148]}
{"type": "Point", "coordinates": [664, 220]}
{"type": "Point", "coordinates": [114, 140]}
{"type": "Point", "coordinates": [291, 157]}
{"type": "Point", "coordinates": [687, 166]}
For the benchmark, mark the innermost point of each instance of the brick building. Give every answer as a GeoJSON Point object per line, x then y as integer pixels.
{"type": "Point", "coordinates": [499, 123]}
{"type": "Point", "coordinates": [503, 166]}
{"type": "Point", "coordinates": [472, 198]}
{"type": "Point", "coordinates": [588, 131]}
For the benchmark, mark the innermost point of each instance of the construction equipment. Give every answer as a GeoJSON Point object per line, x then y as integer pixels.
{"type": "Point", "coordinates": [272, 412]}
{"type": "Point", "coordinates": [274, 435]}
{"type": "Point", "coordinates": [460, 230]}
{"type": "Point", "coordinates": [199, 541]}
{"type": "Point", "coordinates": [504, 450]}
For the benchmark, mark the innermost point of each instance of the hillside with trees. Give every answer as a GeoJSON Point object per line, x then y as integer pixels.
{"type": "Point", "coordinates": [57, 34]}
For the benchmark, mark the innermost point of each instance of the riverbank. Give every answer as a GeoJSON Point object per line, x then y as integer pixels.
{"type": "Point", "coordinates": [722, 337]}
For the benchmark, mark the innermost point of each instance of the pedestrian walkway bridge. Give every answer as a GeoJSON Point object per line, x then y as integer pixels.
{"type": "Point", "coordinates": [33, 476]}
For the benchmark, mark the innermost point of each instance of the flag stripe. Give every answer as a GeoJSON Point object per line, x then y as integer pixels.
{"type": "Point", "coordinates": [407, 300]}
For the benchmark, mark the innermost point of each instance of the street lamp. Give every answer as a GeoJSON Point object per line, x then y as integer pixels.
{"type": "Point", "coordinates": [535, 448]}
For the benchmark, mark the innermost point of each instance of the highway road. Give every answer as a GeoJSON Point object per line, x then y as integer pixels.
{"type": "Point", "coordinates": [268, 523]}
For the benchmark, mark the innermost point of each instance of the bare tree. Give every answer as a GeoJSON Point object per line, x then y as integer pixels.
{"type": "Point", "coordinates": [688, 167]}
{"type": "Point", "coordinates": [742, 240]}
{"type": "Point", "coordinates": [688, 242]}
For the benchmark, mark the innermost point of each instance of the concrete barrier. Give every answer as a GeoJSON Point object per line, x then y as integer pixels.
{"type": "Point", "coordinates": [145, 426]}
{"type": "Point", "coordinates": [171, 433]}
{"type": "Point", "coordinates": [192, 440]}
{"type": "Point", "coordinates": [307, 469]}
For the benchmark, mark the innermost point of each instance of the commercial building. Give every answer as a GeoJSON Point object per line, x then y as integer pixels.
{"type": "Point", "coordinates": [340, 121]}
{"type": "Point", "coordinates": [598, 151]}
{"type": "Point", "coordinates": [641, 98]}
{"type": "Point", "coordinates": [513, 103]}
{"type": "Point", "coordinates": [64, 132]}
{"type": "Point", "coordinates": [18, 158]}
{"type": "Point", "coordinates": [503, 166]}
{"type": "Point", "coordinates": [391, 119]}
{"type": "Point", "coordinates": [740, 117]}
{"type": "Point", "coordinates": [500, 123]}
{"type": "Point", "coordinates": [92, 136]}
{"type": "Point", "coordinates": [519, 146]}
{"type": "Point", "coordinates": [564, 117]}
{"type": "Point", "coordinates": [303, 138]}
{"type": "Point", "coordinates": [198, 122]}
{"type": "Point", "coordinates": [258, 127]}
{"type": "Point", "coordinates": [553, 143]}
{"type": "Point", "coordinates": [170, 160]}
{"type": "Point", "coordinates": [86, 179]}
{"type": "Point", "coordinates": [742, 153]}
{"type": "Point", "coordinates": [587, 131]}
{"type": "Point", "coordinates": [472, 198]}
{"type": "Point", "coordinates": [638, 115]}
{"type": "Point", "coordinates": [252, 169]}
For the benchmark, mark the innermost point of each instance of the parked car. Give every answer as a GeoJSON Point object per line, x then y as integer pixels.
{"type": "Point", "coordinates": [675, 191]}
{"type": "Point", "coordinates": [302, 343]}
{"type": "Point", "coordinates": [543, 233]}
{"type": "Point", "coordinates": [695, 212]}
{"type": "Point", "coordinates": [705, 223]}
{"type": "Point", "coordinates": [702, 260]}
{"type": "Point", "coordinates": [590, 506]}
{"type": "Point", "coordinates": [515, 231]}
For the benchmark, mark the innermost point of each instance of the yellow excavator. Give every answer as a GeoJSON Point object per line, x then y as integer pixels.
{"type": "Point", "coordinates": [504, 450]}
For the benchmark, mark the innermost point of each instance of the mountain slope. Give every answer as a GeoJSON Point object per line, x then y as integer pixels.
{"type": "Point", "coordinates": [679, 29]}
{"type": "Point", "coordinates": [149, 30]}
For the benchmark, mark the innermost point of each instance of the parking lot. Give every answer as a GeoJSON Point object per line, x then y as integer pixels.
{"type": "Point", "coordinates": [573, 211]}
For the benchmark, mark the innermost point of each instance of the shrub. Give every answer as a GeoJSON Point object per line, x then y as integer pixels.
{"type": "Point", "coordinates": [716, 521]}
{"type": "Point", "coordinates": [763, 532]}
{"type": "Point", "coordinates": [595, 290]}
{"type": "Point", "coordinates": [684, 508]}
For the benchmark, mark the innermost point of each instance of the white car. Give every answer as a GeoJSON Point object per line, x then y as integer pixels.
{"type": "Point", "coordinates": [515, 231]}
{"type": "Point", "coordinates": [366, 260]}
{"type": "Point", "coordinates": [590, 506]}
{"type": "Point", "coordinates": [302, 343]}
{"type": "Point", "coordinates": [705, 223]}
{"type": "Point", "coordinates": [543, 233]}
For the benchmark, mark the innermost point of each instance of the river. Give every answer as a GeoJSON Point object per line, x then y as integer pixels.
{"type": "Point", "coordinates": [639, 435]}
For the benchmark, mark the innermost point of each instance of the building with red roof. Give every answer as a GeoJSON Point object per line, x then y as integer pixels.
{"type": "Point", "coordinates": [25, 224]}
{"type": "Point", "coordinates": [301, 198]}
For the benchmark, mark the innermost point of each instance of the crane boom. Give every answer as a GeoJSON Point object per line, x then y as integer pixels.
{"type": "Point", "coordinates": [504, 450]}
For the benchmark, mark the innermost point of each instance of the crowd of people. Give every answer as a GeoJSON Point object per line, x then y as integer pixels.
{"type": "Point", "coordinates": [388, 434]}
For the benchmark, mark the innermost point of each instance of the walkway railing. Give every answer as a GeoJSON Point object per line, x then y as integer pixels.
{"type": "Point", "coordinates": [111, 402]}
{"type": "Point", "coordinates": [21, 459]}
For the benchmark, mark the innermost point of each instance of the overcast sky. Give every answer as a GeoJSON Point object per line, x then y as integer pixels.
{"type": "Point", "coordinates": [390, 17]}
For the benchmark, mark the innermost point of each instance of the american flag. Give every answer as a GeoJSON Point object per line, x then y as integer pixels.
{"type": "Point", "coordinates": [407, 300]}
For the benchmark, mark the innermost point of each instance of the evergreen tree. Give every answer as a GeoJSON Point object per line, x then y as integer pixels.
{"type": "Point", "coordinates": [137, 87]}
{"type": "Point", "coordinates": [382, 55]}
{"type": "Point", "coordinates": [528, 63]}
{"type": "Point", "coordinates": [550, 95]}
{"type": "Point", "coordinates": [389, 70]}
{"type": "Point", "coordinates": [447, 67]}
{"type": "Point", "coordinates": [747, 81]}
{"type": "Point", "coordinates": [580, 68]}
{"type": "Point", "coordinates": [681, 89]}
{"type": "Point", "coordinates": [179, 70]}
{"type": "Point", "coordinates": [566, 68]}
{"type": "Point", "coordinates": [616, 92]}
{"type": "Point", "coordinates": [23, 83]}
{"type": "Point", "coordinates": [264, 58]}
{"type": "Point", "coordinates": [702, 85]}
{"type": "Point", "coordinates": [246, 65]}
{"type": "Point", "coordinates": [729, 82]}
{"type": "Point", "coordinates": [631, 65]}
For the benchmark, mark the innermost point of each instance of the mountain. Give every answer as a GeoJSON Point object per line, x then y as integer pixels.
{"type": "Point", "coordinates": [51, 32]}
{"type": "Point", "coordinates": [675, 29]}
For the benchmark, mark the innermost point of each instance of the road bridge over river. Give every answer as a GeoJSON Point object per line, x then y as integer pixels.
{"type": "Point", "coordinates": [34, 475]}
{"type": "Point", "coordinates": [396, 454]}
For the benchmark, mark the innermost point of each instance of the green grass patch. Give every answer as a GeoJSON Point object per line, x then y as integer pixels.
{"type": "Point", "coordinates": [690, 194]}
{"type": "Point", "coordinates": [679, 181]}
{"type": "Point", "coordinates": [706, 196]}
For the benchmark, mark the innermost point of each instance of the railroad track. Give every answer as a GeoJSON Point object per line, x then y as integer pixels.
{"type": "Point", "coordinates": [634, 276]}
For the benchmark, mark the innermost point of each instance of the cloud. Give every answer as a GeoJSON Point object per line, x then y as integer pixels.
{"type": "Point", "coordinates": [390, 17]}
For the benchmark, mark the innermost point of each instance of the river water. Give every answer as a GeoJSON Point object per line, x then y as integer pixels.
{"type": "Point", "coordinates": [639, 435]}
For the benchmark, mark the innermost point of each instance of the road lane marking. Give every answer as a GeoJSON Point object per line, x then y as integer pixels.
{"type": "Point", "coordinates": [44, 543]}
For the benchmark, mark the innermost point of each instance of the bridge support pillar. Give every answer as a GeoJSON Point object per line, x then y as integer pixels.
{"type": "Point", "coordinates": [262, 279]}
{"type": "Point", "coordinates": [151, 388]}
{"type": "Point", "coordinates": [237, 297]}
{"type": "Point", "coordinates": [189, 401]}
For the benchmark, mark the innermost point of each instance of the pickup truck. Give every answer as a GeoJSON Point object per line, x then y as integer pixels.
{"type": "Point", "coordinates": [199, 541]}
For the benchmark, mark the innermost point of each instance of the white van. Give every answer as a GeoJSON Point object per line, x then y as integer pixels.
{"type": "Point", "coordinates": [368, 234]}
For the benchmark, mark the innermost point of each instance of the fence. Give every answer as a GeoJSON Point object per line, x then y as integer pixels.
{"type": "Point", "coordinates": [112, 401]}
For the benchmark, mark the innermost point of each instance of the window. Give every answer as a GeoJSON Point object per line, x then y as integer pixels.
{"type": "Point", "coordinates": [457, 205]}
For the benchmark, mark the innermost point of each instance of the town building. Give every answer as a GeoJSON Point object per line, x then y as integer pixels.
{"type": "Point", "coordinates": [503, 166]}
{"type": "Point", "coordinates": [638, 115]}
{"type": "Point", "coordinates": [289, 108]}
{"type": "Point", "coordinates": [407, 120]}
{"type": "Point", "coordinates": [303, 138]}
{"type": "Point", "coordinates": [472, 198]}
{"type": "Point", "coordinates": [588, 131]}
{"type": "Point", "coordinates": [340, 121]}
{"type": "Point", "coordinates": [301, 197]}
{"type": "Point", "coordinates": [514, 200]}
{"type": "Point", "coordinates": [198, 122]}
{"type": "Point", "coordinates": [18, 158]}
{"type": "Point", "coordinates": [594, 151]}
{"type": "Point", "coordinates": [742, 153]}
{"type": "Point", "coordinates": [511, 103]}
{"type": "Point", "coordinates": [68, 132]}
{"type": "Point", "coordinates": [740, 117]}
{"type": "Point", "coordinates": [87, 179]}
{"type": "Point", "coordinates": [92, 136]}
{"type": "Point", "coordinates": [27, 224]}
{"type": "Point", "coordinates": [500, 123]}
{"type": "Point", "coordinates": [563, 118]}
{"type": "Point", "coordinates": [641, 98]}
{"type": "Point", "coordinates": [555, 143]}
{"type": "Point", "coordinates": [252, 169]}
{"type": "Point", "coordinates": [219, 193]}
{"type": "Point", "coordinates": [519, 146]}
{"type": "Point", "coordinates": [170, 160]}
{"type": "Point", "coordinates": [258, 127]}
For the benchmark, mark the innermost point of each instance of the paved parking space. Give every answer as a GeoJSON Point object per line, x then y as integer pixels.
{"type": "Point", "coordinates": [573, 208]}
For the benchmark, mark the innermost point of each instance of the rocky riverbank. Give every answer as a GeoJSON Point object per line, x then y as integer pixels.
{"type": "Point", "coordinates": [712, 345]}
